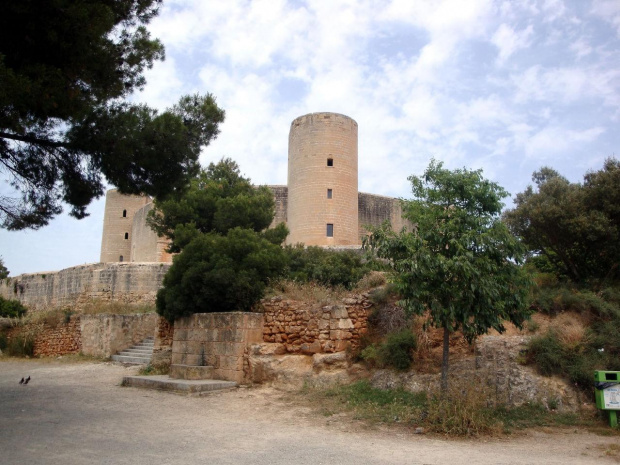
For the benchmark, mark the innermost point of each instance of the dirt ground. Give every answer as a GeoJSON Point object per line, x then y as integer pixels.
{"type": "Point", "coordinates": [78, 413]}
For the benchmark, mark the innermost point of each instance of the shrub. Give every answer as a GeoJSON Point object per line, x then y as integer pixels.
{"type": "Point", "coordinates": [547, 352]}
{"type": "Point", "coordinates": [21, 345]}
{"type": "Point", "coordinates": [11, 308]}
{"type": "Point", "coordinates": [328, 267]}
{"type": "Point", "coordinates": [397, 350]}
{"type": "Point", "coordinates": [217, 273]}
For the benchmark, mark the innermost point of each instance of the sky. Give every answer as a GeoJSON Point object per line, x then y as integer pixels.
{"type": "Point", "coordinates": [504, 86]}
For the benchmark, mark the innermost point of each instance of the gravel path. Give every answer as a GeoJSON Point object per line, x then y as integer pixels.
{"type": "Point", "coordinates": [78, 414]}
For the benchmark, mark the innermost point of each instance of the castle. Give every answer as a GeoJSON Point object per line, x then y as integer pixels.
{"type": "Point", "coordinates": [320, 204]}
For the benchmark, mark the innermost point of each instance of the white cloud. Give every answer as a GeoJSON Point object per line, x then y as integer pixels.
{"type": "Point", "coordinates": [607, 10]}
{"type": "Point", "coordinates": [509, 41]}
{"type": "Point", "coordinates": [554, 140]}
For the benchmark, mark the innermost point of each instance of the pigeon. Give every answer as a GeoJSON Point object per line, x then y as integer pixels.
{"type": "Point", "coordinates": [27, 379]}
{"type": "Point", "coordinates": [21, 381]}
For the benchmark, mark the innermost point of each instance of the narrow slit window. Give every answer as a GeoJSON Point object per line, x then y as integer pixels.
{"type": "Point", "coordinates": [329, 193]}
{"type": "Point", "coordinates": [124, 213]}
{"type": "Point", "coordinates": [330, 230]}
{"type": "Point", "coordinates": [126, 235]}
{"type": "Point", "coordinates": [330, 162]}
{"type": "Point", "coordinates": [120, 259]}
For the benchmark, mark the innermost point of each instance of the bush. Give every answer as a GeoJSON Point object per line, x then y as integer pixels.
{"type": "Point", "coordinates": [20, 346]}
{"type": "Point", "coordinates": [217, 273]}
{"type": "Point", "coordinates": [327, 267]}
{"type": "Point", "coordinates": [11, 308]}
{"type": "Point", "coordinates": [396, 351]}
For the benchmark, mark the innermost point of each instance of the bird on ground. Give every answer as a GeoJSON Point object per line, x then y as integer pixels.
{"type": "Point", "coordinates": [27, 379]}
{"type": "Point", "coordinates": [21, 381]}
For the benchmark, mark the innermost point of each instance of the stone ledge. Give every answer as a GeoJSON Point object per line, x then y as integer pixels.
{"type": "Point", "coordinates": [164, 383]}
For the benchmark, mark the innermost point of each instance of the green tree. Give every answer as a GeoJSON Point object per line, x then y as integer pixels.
{"type": "Point", "coordinates": [218, 200]}
{"type": "Point", "coordinates": [226, 253]}
{"type": "Point", "coordinates": [219, 273]}
{"type": "Point", "coordinates": [461, 264]}
{"type": "Point", "coordinates": [571, 226]}
{"type": "Point", "coordinates": [4, 272]}
{"type": "Point", "coordinates": [65, 66]}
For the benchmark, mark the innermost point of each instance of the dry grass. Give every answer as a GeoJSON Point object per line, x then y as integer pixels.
{"type": "Point", "coordinates": [570, 332]}
{"type": "Point", "coordinates": [370, 281]}
{"type": "Point", "coordinates": [307, 292]}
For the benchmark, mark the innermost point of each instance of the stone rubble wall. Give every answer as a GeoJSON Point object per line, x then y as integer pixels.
{"type": "Point", "coordinates": [61, 340]}
{"type": "Point", "coordinates": [219, 340]}
{"type": "Point", "coordinates": [164, 334]}
{"type": "Point", "coordinates": [305, 328]}
{"type": "Point", "coordinates": [97, 335]}
{"type": "Point", "coordinates": [104, 335]}
{"type": "Point", "coordinates": [74, 287]}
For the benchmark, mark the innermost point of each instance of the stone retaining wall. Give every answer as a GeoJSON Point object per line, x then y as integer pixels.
{"type": "Point", "coordinates": [307, 328]}
{"type": "Point", "coordinates": [63, 339]}
{"type": "Point", "coordinates": [105, 335]}
{"type": "Point", "coordinates": [218, 340]}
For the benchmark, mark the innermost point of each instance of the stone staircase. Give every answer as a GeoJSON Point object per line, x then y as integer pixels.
{"type": "Point", "coordinates": [139, 354]}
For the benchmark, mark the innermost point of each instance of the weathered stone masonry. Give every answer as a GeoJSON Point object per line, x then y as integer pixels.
{"type": "Point", "coordinates": [305, 328]}
{"type": "Point", "coordinates": [76, 286]}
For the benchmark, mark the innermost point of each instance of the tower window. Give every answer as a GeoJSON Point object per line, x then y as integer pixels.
{"type": "Point", "coordinates": [124, 213]}
{"type": "Point", "coordinates": [329, 193]}
{"type": "Point", "coordinates": [330, 230]}
{"type": "Point", "coordinates": [330, 162]}
{"type": "Point", "coordinates": [120, 259]}
{"type": "Point", "coordinates": [126, 235]}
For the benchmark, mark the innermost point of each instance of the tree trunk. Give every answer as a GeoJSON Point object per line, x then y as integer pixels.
{"type": "Point", "coordinates": [444, 362]}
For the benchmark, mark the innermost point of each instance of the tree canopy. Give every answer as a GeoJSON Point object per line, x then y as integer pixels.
{"type": "Point", "coordinates": [226, 253]}
{"type": "Point", "coordinates": [219, 273]}
{"type": "Point", "coordinates": [219, 199]}
{"type": "Point", "coordinates": [65, 66]}
{"type": "Point", "coordinates": [574, 227]}
{"type": "Point", "coordinates": [460, 264]}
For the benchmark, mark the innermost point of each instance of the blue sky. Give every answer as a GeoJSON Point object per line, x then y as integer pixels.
{"type": "Point", "coordinates": [506, 86]}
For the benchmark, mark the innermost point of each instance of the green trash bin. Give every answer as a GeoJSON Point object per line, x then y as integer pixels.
{"type": "Point", "coordinates": [607, 392]}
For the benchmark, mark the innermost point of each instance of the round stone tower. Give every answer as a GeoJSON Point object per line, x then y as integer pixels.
{"type": "Point", "coordinates": [322, 180]}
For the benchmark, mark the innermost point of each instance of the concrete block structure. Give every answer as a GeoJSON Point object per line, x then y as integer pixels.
{"type": "Point", "coordinates": [320, 204]}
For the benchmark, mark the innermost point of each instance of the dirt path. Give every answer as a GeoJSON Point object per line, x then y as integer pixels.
{"type": "Point", "coordinates": [78, 413]}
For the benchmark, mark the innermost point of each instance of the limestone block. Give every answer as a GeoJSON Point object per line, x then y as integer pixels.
{"type": "Point", "coordinates": [322, 362]}
{"type": "Point", "coordinates": [339, 312]}
{"type": "Point", "coordinates": [311, 348]}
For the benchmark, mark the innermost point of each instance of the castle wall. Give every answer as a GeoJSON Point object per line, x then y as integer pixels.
{"type": "Point", "coordinates": [76, 286]}
{"type": "Point", "coordinates": [280, 194]}
{"type": "Point", "coordinates": [146, 245]}
{"type": "Point", "coordinates": [117, 225]}
{"type": "Point", "coordinates": [373, 210]}
{"type": "Point", "coordinates": [314, 140]}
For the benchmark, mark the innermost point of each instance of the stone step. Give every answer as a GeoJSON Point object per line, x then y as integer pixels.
{"type": "Point", "coordinates": [165, 383]}
{"type": "Point", "coordinates": [138, 354]}
{"type": "Point", "coordinates": [136, 351]}
{"type": "Point", "coordinates": [131, 359]}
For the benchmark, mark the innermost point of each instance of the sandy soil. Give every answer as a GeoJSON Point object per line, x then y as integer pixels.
{"type": "Point", "coordinates": [78, 413]}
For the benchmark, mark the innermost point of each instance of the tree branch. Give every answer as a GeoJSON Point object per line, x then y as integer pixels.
{"type": "Point", "coordinates": [32, 140]}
